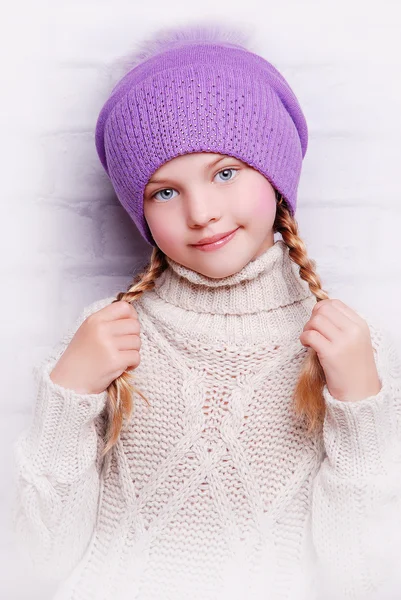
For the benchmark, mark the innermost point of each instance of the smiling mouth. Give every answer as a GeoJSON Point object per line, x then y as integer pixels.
{"type": "Point", "coordinates": [214, 238]}
{"type": "Point", "coordinates": [218, 243]}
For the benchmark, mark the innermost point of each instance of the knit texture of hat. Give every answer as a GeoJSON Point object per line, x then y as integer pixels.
{"type": "Point", "coordinates": [196, 91]}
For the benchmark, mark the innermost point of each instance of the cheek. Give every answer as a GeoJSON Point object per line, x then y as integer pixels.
{"type": "Point", "coordinates": [262, 207]}
{"type": "Point", "coordinates": [164, 228]}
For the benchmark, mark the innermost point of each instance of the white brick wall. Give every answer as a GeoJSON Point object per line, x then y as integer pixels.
{"type": "Point", "coordinates": [65, 239]}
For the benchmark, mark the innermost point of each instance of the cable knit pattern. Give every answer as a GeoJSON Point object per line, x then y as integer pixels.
{"type": "Point", "coordinates": [215, 491]}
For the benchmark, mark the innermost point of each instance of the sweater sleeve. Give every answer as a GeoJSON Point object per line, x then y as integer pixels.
{"type": "Point", "coordinates": [356, 499]}
{"type": "Point", "coordinates": [58, 466]}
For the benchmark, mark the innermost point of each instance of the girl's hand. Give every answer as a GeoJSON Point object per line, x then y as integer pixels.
{"type": "Point", "coordinates": [341, 339]}
{"type": "Point", "coordinates": [104, 346]}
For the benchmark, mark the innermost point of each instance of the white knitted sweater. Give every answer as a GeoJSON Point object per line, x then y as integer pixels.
{"type": "Point", "coordinates": [215, 491]}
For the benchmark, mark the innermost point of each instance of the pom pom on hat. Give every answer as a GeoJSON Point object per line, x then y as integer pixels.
{"type": "Point", "coordinates": [167, 38]}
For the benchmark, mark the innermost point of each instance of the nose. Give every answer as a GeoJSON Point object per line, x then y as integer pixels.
{"type": "Point", "coordinates": [201, 209]}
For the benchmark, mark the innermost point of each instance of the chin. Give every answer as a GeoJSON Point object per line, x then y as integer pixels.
{"type": "Point", "coordinates": [218, 275]}
{"type": "Point", "coordinates": [220, 271]}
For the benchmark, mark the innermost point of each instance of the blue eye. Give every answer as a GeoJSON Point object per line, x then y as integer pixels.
{"type": "Point", "coordinates": [225, 171]}
{"type": "Point", "coordinates": [161, 191]}
{"type": "Point", "coordinates": [169, 190]}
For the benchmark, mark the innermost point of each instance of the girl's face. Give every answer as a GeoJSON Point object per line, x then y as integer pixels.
{"type": "Point", "coordinates": [202, 194]}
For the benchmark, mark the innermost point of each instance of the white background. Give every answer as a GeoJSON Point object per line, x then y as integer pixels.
{"type": "Point", "coordinates": [65, 240]}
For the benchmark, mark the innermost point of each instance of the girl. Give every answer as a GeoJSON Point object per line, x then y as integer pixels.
{"type": "Point", "coordinates": [263, 449]}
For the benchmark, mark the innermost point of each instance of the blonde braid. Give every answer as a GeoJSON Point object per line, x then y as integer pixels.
{"type": "Point", "coordinates": [120, 403]}
{"type": "Point", "coordinates": [308, 398]}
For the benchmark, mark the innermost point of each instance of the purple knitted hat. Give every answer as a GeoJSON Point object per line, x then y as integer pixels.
{"type": "Point", "coordinates": [199, 90]}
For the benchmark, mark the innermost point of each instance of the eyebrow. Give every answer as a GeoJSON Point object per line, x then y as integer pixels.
{"type": "Point", "coordinates": [208, 166]}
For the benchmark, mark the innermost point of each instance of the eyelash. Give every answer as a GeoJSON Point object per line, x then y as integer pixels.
{"type": "Point", "coordinates": [221, 171]}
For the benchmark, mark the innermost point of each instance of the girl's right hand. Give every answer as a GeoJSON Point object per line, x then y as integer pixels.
{"type": "Point", "coordinates": [103, 347]}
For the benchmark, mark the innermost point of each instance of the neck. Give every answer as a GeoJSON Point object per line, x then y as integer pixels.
{"type": "Point", "coordinates": [253, 302]}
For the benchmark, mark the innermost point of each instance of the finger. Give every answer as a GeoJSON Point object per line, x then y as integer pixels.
{"type": "Point", "coordinates": [119, 310]}
{"type": "Point", "coordinates": [128, 342]}
{"type": "Point", "coordinates": [130, 358]}
{"type": "Point", "coordinates": [316, 341]}
{"type": "Point", "coordinates": [340, 306]}
{"type": "Point", "coordinates": [323, 324]}
{"type": "Point", "coordinates": [336, 316]}
{"type": "Point", "coordinates": [125, 327]}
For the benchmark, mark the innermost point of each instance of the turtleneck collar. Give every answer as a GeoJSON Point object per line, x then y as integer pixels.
{"type": "Point", "coordinates": [265, 302]}
{"type": "Point", "coordinates": [269, 281]}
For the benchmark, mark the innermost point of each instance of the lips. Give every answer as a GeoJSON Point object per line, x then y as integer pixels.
{"type": "Point", "coordinates": [220, 243]}
{"type": "Point", "coordinates": [214, 238]}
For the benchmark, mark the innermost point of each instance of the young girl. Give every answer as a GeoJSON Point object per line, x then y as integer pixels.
{"type": "Point", "coordinates": [223, 428]}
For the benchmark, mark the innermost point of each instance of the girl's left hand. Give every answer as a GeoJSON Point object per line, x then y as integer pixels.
{"type": "Point", "coordinates": [341, 339]}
